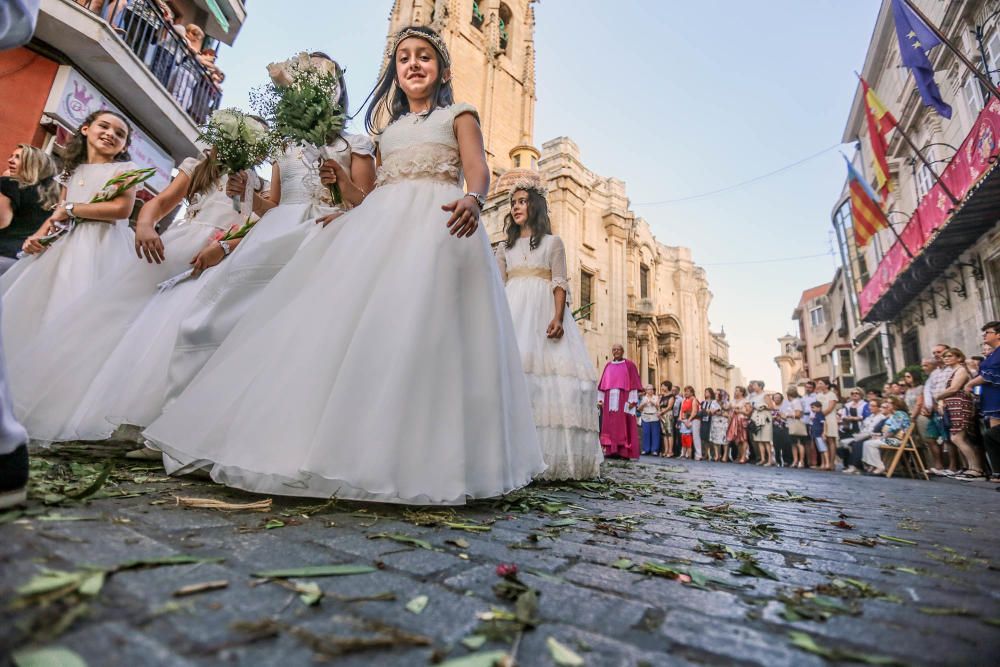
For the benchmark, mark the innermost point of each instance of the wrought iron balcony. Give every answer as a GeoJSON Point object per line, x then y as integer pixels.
{"type": "Point", "coordinates": [166, 54]}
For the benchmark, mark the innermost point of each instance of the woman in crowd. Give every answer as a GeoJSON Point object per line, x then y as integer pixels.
{"type": "Point", "coordinates": [798, 432]}
{"type": "Point", "coordinates": [666, 417]}
{"type": "Point", "coordinates": [853, 412]}
{"type": "Point", "coordinates": [761, 431]}
{"type": "Point", "coordinates": [957, 409]}
{"type": "Point", "coordinates": [709, 406]}
{"type": "Point", "coordinates": [649, 416]}
{"type": "Point", "coordinates": [828, 397]}
{"type": "Point", "coordinates": [781, 415]}
{"type": "Point", "coordinates": [988, 381]}
{"type": "Point", "coordinates": [688, 419]}
{"type": "Point", "coordinates": [897, 420]}
{"type": "Point", "coordinates": [737, 432]}
{"type": "Point", "coordinates": [28, 193]}
{"type": "Point", "coordinates": [720, 424]}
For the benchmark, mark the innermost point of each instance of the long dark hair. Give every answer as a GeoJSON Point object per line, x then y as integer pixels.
{"type": "Point", "coordinates": [538, 221]}
{"type": "Point", "coordinates": [388, 99]}
{"type": "Point", "coordinates": [75, 152]}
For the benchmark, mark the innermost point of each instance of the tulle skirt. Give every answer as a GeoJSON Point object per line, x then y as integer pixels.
{"type": "Point", "coordinates": [228, 291]}
{"type": "Point", "coordinates": [380, 364]}
{"type": "Point", "coordinates": [561, 380]}
{"type": "Point", "coordinates": [40, 287]}
{"type": "Point", "coordinates": [103, 361]}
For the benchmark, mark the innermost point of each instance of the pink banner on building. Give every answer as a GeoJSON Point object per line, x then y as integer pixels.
{"type": "Point", "coordinates": [967, 167]}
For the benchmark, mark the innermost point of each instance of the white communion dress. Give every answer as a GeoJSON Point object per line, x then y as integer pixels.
{"type": "Point", "coordinates": [103, 361]}
{"type": "Point", "coordinates": [229, 290]}
{"type": "Point", "coordinates": [380, 364]}
{"type": "Point", "coordinates": [38, 287]}
{"type": "Point", "coordinates": [561, 379]}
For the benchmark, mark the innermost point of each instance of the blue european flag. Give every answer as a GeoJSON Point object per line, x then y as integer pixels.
{"type": "Point", "coordinates": [915, 40]}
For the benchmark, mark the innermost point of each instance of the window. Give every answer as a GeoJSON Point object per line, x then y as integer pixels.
{"type": "Point", "coordinates": [973, 94]}
{"type": "Point", "coordinates": [643, 282]}
{"type": "Point", "coordinates": [993, 57]}
{"type": "Point", "coordinates": [911, 347]}
{"type": "Point", "coordinates": [925, 178]}
{"type": "Point", "coordinates": [505, 22]}
{"type": "Point", "coordinates": [517, 162]}
{"type": "Point", "coordinates": [477, 15]}
{"type": "Point", "coordinates": [816, 316]}
{"type": "Point", "coordinates": [845, 366]}
{"type": "Point", "coordinates": [586, 296]}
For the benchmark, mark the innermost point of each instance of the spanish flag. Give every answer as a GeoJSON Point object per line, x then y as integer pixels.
{"type": "Point", "coordinates": [880, 123]}
{"type": "Point", "coordinates": [866, 212]}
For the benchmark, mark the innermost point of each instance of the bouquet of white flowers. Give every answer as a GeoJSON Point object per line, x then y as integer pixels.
{"type": "Point", "coordinates": [241, 142]}
{"type": "Point", "coordinates": [302, 103]}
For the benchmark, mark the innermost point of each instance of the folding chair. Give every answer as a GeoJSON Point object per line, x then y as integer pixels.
{"type": "Point", "coordinates": [907, 452]}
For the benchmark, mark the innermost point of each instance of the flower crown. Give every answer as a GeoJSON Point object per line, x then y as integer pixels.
{"type": "Point", "coordinates": [432, 37]}
{"type": "Point", "coordinates": [529, 185]}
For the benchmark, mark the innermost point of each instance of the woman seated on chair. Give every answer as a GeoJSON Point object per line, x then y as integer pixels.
{"type": "Point", "coordinates": [896, 423]}
{"type": "Point", "coordinates": [851, 449]}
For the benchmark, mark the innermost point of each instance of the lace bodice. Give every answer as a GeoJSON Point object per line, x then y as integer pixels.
{"type": "Point", "coordinates": [546, 262]}
{"type": "Point", "coordinates": [299, 167]}
{"type": "Point", "coordinates": [423, 146]}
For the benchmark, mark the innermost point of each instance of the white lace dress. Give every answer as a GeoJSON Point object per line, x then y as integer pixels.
{"type": "Point", "coordinates": [38, 287]}
{"type": "Point", "coordinates": [561, 379]}
{"type": "Point", "coordinates": [103, 361]}
{"type": "Point", "coordinates": [380, 364]}
{"type": "Point", "coordinates": [228, 291]}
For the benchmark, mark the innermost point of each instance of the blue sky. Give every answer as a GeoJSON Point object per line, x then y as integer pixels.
{"type": "Point", "coordinates": [676, 99]}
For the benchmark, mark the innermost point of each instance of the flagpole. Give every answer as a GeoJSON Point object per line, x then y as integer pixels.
{"type": "Point", "coordinates": [896, 234]}
{"type": "Point", "coordinates": [983, 79]}
{"type": "Point", "coordinates": [898, 127]}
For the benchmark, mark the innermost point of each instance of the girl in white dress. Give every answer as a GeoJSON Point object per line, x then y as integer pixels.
{"type": "Point", "coordinates": [123, 330]}
{"type": "Point", "coordinates": [561, 379]}
{"type": "Point", "coordinates": [49, 278]}
{"type": "Point", "coordinates": [299, 196]}
{"type": "Point", "coordinates": [381, 363]}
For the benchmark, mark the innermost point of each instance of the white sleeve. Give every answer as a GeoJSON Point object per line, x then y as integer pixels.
{"type": "Point", "coordinates": [501, 257]}
{"type": "Point", "coordinates": [361, 144]}
{"type": "Point", "coordinates": [557, 264]}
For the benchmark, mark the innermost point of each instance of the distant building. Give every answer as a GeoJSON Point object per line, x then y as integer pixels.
{"type": "Point", "coordinates": [790, 363]}
{"type": "Point", "coordinates": [824, 343]}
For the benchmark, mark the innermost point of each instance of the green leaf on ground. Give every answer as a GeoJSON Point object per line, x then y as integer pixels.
{"type": "Point", "coordinates": [55, 656]}
{"type": "Point", "coordinates": [898, 540]}
{"type": "Point", "coordinates": [417, 604]}
{"type": "Point", "coordinates": [946, 611]}
{"type": "Point", "coordinates": [487, 659]}
{"type": "Point", "coordinates": [561, 654]}
{"type": "Point", "coordinates": [561, 523]}
{"type": "Point", "coordinates": [274, 523]}
{"type": "Point", "coordinates": [805, 642]}
{"type": "Point", "coordinates": [749, 568]}
{"type": "Point", "coordinates": [179, 559]}
{"type": "Point", "coordinates": [790, 497]}
{"type": "Point", "coordinates": [474, 642]}
{"type": "Point", "coordinates": [309, 592]}
{"type": "Point", "coordinates": [316, 571]}
{"type": "Point", "coordinates": [402, 539]}
{"type": "Point", "coordinates": [623, 564]}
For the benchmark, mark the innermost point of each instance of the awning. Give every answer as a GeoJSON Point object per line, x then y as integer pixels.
{"type": "Point", "coordinates": [216, 11]}
{"type": "Point", "coordinates": [939, 231]}
{"type": "Point", "coordinates": [976, 215]}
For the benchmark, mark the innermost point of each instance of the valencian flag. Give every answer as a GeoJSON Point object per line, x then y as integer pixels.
{"type": "Point", "coordinates": [915, 40]}
{"type": "Point", "coordinates": [866, 212]}
{"type": "Point", "coordinates": [880, 123]}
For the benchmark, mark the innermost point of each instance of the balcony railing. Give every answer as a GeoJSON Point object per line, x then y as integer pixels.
{"type": "Point", "coordinates": [143, 27]}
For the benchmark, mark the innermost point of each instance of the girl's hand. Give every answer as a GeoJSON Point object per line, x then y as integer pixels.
{"type": "Point", "coordinates": [464, 220]}
{"type": "Point", "coordinates": [555, 328]}
{"type": "Point", "coordinates": [330, 172]}
{"type": "Point", "coordinates": [209, 256]}
{"type": "Point", "coordinates": [31, 246]}
{"type": "Point", "coordinates": [59, 213]}
{"type": "Point", "coordinates": [148, 243]}
{"type": "Point", "coordinates": [236, 184]}
{"type": "Point", "coordinates": [327, 219]}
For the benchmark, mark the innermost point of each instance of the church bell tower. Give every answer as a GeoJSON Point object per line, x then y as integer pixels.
{"type": "Point", "coordinates": [493, 67]}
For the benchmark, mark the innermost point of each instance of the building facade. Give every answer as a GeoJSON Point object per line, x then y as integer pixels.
{"type": "Point", "coordinates": [936, 278]}
{"type": "Point", "coordinates": [134, 62]}
{"type": "Point", "coordinates": [632, 289]}
{"type": "Point", "coordinates": [823, 348]}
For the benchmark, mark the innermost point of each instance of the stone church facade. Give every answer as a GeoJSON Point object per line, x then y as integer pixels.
{"type": "Point", "coordinates": [649, 296]}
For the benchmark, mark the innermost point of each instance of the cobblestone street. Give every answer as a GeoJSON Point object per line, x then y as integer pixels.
{"type": "Point", "coordinates": [659, 564]}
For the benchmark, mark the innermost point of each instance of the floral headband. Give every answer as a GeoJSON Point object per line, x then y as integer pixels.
{"type": "Point", "coordinates": [431, 37]}
{"type": "Point", "coordinates": [529, 185]}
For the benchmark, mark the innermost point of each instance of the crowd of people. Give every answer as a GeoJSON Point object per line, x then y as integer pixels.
{"type": "Point", "coordinates": [175, 51]}
{"type": "Point", "coordinates": [952, 403]}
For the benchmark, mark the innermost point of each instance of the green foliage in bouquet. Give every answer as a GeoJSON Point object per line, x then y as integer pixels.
{"type": "Point", "coordinates": [241, 142]}
{"type": "Point", "coordinates": [302, 100]}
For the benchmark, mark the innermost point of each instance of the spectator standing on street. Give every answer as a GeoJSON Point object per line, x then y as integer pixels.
{"type": "Point", "coordinates": [812, 456]}
{"type": "Point", "coordinates": [738, 424]}
{"type": "Point", "coordinates": [988, 381]}
{"type": "Point", "coordinates": [937, 381]}
{"type": "Point", "coordinates": [826, 396]}
{"type": "Point", "coordinates": [817, 432]}
{"type": "Point", "coordinates": [956, 406]}
{"type": "Point", "coordinates": [798, 430]}
{"type": "Point", "coordinates": [782, 414]}
{"type": "Point", "coordinates": [28, 193]}
{"type": "Point", "coordinates": [709, 406]}
{"type": "Point", "coordinates": [649, 415]}
{"type": "Point", "coordinates": [761, 429]}
{"type": "Point", "coordinates": [720, 425]}
{"type": "Point", "coordinates": [666, 417]}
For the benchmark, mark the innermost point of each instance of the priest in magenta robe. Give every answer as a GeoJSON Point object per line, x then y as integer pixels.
{"type": "Point", "coordinates": [618, 394]}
